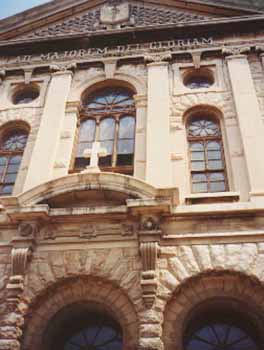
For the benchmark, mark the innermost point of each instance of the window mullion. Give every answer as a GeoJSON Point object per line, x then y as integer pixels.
{"type": "Point", "coordinates": [97, 130]}
{"type": "Point", "coordinates": [115, 141]}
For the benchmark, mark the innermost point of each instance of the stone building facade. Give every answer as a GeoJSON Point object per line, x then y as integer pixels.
{"type": "Point", "coordinates": [131, 176]}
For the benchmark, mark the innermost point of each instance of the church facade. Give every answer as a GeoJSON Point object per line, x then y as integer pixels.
{"type": "Point", "coordinates": [131, 176]}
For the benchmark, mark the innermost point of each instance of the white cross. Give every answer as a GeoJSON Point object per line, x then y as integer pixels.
{"type": "Point", "coordinates": [94, 154]}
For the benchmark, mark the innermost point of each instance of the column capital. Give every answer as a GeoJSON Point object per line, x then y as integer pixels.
{"type": "Point", "coordinates": [260, 49]}
{"type": "Point", "coordinates": [62, 69]}
{"type": "Point", "coordinates": [73, 107]}
{"type": "Point", "coordinates": [141, 101]}
{"type": "Point", "coordinates": [158, 59]}
{"type": "Point", "coordinates": [236, 52]}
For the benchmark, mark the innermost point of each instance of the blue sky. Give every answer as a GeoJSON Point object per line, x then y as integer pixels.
{"type": "Point", "coordinates": [11, 7]}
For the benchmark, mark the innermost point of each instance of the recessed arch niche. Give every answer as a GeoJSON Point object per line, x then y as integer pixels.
{"type": "Point", "coordinates": [66, 310]}
{"type": "Point", "coordinates": [229, 302]}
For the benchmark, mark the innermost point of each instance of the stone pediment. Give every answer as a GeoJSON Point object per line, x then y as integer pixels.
{"type": "Point", "coordinates": [110, 15]}
{"type": "Point", "coordinates": [121, 16]}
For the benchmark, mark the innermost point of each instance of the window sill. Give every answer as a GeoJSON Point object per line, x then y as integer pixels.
{"type": "Point", "coordinates": [207, 198]}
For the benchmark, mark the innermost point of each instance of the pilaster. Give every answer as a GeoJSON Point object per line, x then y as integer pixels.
{"type": "Point", "coordinates": [140, 138]}
{"type": "Point", "coordinates": [158, 166]}
{"type": "Point", "coordinates": [249, 118]}
{"type": "Point", "coordinates": [48, 138]}
{"type": "Point", "coordinates": [66, 149]}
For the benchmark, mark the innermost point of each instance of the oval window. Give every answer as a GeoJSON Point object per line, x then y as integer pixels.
{"type": "Point", "coordinates": [26, 94]}
{"type": "Point", "coordinates": [199, 79]}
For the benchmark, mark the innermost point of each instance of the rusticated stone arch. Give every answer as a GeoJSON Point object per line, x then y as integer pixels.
{"type": "Point", "coordinates": [86, 289]}
{"type": "Point", "coordinates": [221, 102]}
{"type": "Point", "coordinates": [204, 288]}
{"type": "Point", "coordinates": [203, 109]}
{"type": "Point", "coordinates": [185, 261]}
{"type": "Point", "coordinates": [120, 79]}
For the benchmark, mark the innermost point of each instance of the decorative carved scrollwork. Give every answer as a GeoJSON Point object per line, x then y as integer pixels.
{"type": "Point", "coordinates": [27, 229]}
{"type": "Point", "coordinates": [19, 260]}
{"type": "Point", "coordinates": [150, 223]}
{"type": "Point", "coordinates": [149, 252]}
{"type": "Point", "coordinates": [20, 256]}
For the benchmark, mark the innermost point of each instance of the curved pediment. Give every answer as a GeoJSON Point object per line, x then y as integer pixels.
{"type": "Point", "coordinates": [80, 190]}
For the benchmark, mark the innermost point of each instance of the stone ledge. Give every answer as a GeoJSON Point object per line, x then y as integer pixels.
{"type": "Point", "coordinates": [218, 197]}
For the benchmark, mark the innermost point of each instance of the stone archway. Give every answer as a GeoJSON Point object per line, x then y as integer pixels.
{"type": "Point", "coordinates": [207, 287]}
{"type": "Point", "coordinates": [110, 297]}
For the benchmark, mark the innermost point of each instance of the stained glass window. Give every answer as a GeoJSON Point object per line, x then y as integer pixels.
{"type": "Point", "coordinates": [108, 116]}
{"type": "Point", "coordinates": [221, 336]}
{"type": "Point", "coordinates": [207, 162]}
{"type": "Point", "coordinates": [96, 336]}
{"type": "Point", "coordinates": [78, 328]}
{"type": "Point", "coordinates": [11, 152]}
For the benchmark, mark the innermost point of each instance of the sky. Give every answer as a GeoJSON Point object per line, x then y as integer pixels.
{"type": "Point", "coordinates": [11, 7]}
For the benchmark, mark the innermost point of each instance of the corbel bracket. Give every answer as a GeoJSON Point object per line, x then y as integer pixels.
{"type": "Point", "coordinates": [149, 252]}
{"type": "Point", "coordinates": [20, 256]}
{"type": "Point", "coordinates": [2, 75]}
{"type": "Point", "coordinates": [28, 72]}
{"type": "Point", "coordinates": [110, 68]}
{"type": "Point", "coordinates": [196, 56]}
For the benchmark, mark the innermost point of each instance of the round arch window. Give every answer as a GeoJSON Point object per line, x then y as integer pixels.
{"type": "Point", "coordinates": [222, 326]}
{"type": "Point", "coordinates": [82, 327]}
{"type": "Point", "coordinates": [198, 79]}
{"type": "Point", "coordinates": [25, 94]}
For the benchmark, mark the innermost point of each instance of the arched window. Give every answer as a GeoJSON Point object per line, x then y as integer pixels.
{"type": "Point", "coordinates": [221, 327]}
{"type": "Point", "coordinates": [80, 326]}
{"type": "Point", "coordinates": [207, 163]}
{"type": "Point", "coordinates": [108, 116]}
{"type": "Point", "coordinates": [12, 145]}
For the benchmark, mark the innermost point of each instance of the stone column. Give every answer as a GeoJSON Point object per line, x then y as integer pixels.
{"type": "Point", "coordinates": [66, 149]}
{"type": "Point", "coordinates": [158, 166]}
{"type": "Point", "coordinates": [140, 138]}
{"type": "Point", "coordinates": [48, 138]}
{"type": "Point", "coordinates": [249, 119]}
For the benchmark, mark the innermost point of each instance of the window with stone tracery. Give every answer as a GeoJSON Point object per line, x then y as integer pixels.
{"type": "Point", "coordinates": [207, 163]}
{"type": "Point", "coordinates": [108, 117]}
{"type": "Point", "coordinates": [12, 145]}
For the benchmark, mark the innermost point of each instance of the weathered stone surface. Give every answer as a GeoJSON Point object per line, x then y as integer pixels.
{"type": "Point", "coordinates": [9, 345]}
{"type": "Point", "coordinates": [150, 330]}
{"type": "Point", "coordinates": [13, 319]}
{"type": "Point", "coordinates": [8, 332]}
{"type": "Point", "coordinates": [151, 344]}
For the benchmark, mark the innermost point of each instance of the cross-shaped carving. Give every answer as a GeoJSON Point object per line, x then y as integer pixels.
{"type": "Point", "coordinates": [94, 154]}
{"type": "Point", "coordinates": [114, 12]}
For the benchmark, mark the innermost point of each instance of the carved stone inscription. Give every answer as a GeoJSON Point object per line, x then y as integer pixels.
{"type": "Point", "coordinates": [116, 51]}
